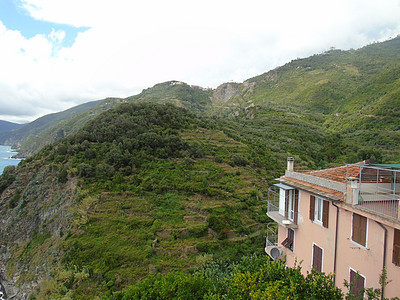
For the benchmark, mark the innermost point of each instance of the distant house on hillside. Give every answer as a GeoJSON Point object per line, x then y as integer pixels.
{"type": "Point", "coordinates": [343, 220]}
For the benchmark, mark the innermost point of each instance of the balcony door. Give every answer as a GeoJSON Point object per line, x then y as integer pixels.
{"type": "Point", "coordinates": [292, 204]}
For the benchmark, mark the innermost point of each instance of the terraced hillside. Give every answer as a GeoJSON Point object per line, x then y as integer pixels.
{"type": "Point", "coordinates": [141, 188]}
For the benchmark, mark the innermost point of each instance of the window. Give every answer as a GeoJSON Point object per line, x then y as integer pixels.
{"type": "Point", "coordinates": [289, 241]}
{"type": "Point", "coordinates": [292, 204]}
{"type": "Point", "coordinates": [357, 283]}
{"type": "Point", "coordinates": [359, 234]}
{"type": "Point", "coordinates": [396, 248]}
{"type": "Point", "coordinates": [317, 258]}
{"type": "Point", "coordinates": [319, 210]}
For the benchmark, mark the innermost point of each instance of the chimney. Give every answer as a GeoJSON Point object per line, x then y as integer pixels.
{"type": "Point", "coordinates": [352, 190]}
{"type": "Point", "coordinates": [290, 164]}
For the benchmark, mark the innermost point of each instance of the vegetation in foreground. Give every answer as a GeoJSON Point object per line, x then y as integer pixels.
{"type": "Point", "coordinates": [153, 187]}
{"type": "Point", "coordinates": [253, 277]}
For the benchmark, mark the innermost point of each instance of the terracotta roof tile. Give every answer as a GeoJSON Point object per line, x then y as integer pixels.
{"type": "Point", "coordinates": [338, 174]}
{"type": "Point", "coordinates": [308, 185]}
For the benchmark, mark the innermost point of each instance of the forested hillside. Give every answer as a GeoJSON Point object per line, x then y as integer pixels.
{"type": "Point", "coordinates": [175, 178]}
{"type": "Point", "coordinates": [142, 188]}
{"type": "Point", "coordinates": [347, 99]}
{"type": "Point", "coordinates": [30, 138]}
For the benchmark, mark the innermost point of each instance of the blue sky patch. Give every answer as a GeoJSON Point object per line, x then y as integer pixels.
{"type": "Point", "coordinates": [15, 17]}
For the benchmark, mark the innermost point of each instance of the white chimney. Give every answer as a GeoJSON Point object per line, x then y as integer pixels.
{"type": "Point", "coordinates": [290, 164]}
{"type": "Point", "coordinates": [353, 190]}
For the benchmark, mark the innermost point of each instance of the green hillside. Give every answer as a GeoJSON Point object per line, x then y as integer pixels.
{"type": "Point", "coordinates": [7, 126]}
{"type": "Point", "coordinates": [351, 95]}
{"type": "Point", "coordinates": [31, 137]}
{"type": "Point", "coordinates": [178, 93]}
{"type": "Point", "coordinates": [142, 188]}
{"type": "Point", "coordinates": [175, 177]}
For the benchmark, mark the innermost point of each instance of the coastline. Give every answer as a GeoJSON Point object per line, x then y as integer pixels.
{"type": "Point", "coordinates": [8, 157]}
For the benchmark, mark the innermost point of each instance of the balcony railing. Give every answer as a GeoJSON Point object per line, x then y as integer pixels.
{"type": "Point", "coordinates": [271, 238]}
{"type": "Point", "coordinates": [284, 218]}
{"type": "Point", "coordinates": [382, 204]}
{"type": "Point", "coordinates": [379, 189]}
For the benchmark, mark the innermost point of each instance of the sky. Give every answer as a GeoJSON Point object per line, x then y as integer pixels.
{"type": "Point", "coordinates": [55, 54]}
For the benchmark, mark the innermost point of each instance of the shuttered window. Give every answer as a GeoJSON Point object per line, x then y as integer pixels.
{"type": "Point", "coordinates": [325, 214]}
{"type": "Point", "coordinates": [312, 207]}
{"type": "Point", "coordinates": [317, 258]}
{"type": "Point", "coordinates": [357, 283]}
{"type": "Point", "coordinates": [319, 210]}
{"type": "Point", "coordinates": [292, 205]}
{"type": "Point", "coordinates": [296, 206]}
{"type": "Point", "coordinates": [289, 241]}
{"type": "Point", "coordinates": [359, 234]}
{"type": "Point", "coordinates": [287, 203]}
{"type": "Point", "coordinates": [396, 247]}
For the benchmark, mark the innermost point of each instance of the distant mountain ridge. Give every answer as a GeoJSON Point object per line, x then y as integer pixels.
{"type": "Point", "coordinates": [29, 138]}
{"type": "Point", "coordinates": [8, 126]}
{"type": "Point", "coordinates": [352, 93]}
{"type": "Point", "coordinates": [175, 176]}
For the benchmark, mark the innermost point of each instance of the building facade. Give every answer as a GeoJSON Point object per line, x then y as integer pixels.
{"type": "Point", "coordinates": [344, 221]}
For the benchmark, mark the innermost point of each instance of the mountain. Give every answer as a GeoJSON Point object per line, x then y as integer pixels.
{"type": "Point", "coordinates": [141, 188]}
{"type": "Point", "coordinates": [349, 96]}
{"type": "Point", "coordinates": [31, 137]}
{"type": "Point", "coordinates": [8, 126]}
{"type": "Point", "coordinates": [194, 98]}
{"type": "Point", "coordinates": [176, 175]}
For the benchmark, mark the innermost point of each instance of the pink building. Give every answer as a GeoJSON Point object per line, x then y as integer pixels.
{"type": "Point", "coordinates": [343, 221]}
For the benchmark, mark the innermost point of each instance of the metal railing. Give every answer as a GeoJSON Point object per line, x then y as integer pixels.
{"type": "Point", "coordinates": [382, 204]}
{"type": "Point", "coordinates": [379, 189]}
{"type": "Point", "coordinates": [273, 194]}
{"type": "Point", "coordinates": [284, 218]}
{"type": "Point", "coordinates": [271, 232]}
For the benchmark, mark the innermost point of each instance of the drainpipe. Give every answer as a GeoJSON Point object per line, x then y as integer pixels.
{"type": "Point", "coordinates": [337, 230]}
{"type": "Point", "coordinates": [384, 254]}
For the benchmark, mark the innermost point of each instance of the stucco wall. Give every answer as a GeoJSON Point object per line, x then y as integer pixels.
{"type": "Point", "coordinates": [308, 233]}
{"type": "Point", "coordinates": [366, 260]}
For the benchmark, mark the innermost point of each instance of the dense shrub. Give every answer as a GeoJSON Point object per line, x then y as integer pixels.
{"type": "Point", "coordinates": [239, 160]}
{"type": "Point", "coordinates": [7, 177]}
{"type": "Point", "coordinates": [254, 277]}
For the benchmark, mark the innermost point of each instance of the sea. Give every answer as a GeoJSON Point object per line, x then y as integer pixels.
{"type": "Point", "coordinates": [5, 158]}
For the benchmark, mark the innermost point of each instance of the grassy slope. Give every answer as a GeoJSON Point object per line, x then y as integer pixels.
{"type": "Point", "coordinates": [129, 196]}
{"type": "Point", "coordinates": [205, 197]}
{"type": "Point", "coordinates": [64, 126]}
{"type": "Point", "coordinates": [33, 136]}
{"type": "Point", "coordinates": [352, 95]}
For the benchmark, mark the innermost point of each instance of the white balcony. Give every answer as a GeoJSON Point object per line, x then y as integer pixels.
{"type": "Point", "coordinates": [283, 218]}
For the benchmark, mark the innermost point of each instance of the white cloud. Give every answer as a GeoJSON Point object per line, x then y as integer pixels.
{"type": "Point", "coordinates": [132, 45]}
